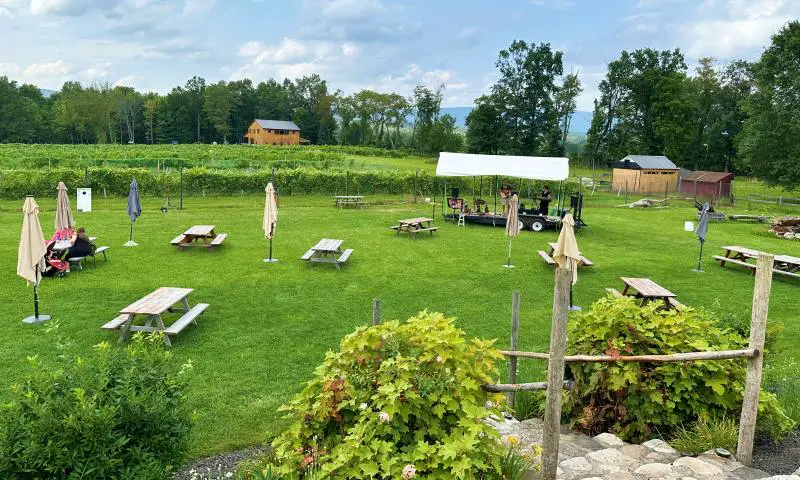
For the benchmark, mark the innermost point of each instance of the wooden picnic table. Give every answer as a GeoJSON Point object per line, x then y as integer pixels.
{"type": "Point", "coordinates": [585, 262]}
{"type": "Point", "coordinates": [342, 201]}
{"type": "Point", "coordinates": [648, 291]}
{"type": "Point", "coordinates": [152, 306]}
{"type": "Point", "coordinates": [328, 250]}
{"type": "Point", "coordinates": [415, 225]}
{"type": "Point", "coordinates": [783, 264]}
{"type": "Point", "coordinates": [199, 236]}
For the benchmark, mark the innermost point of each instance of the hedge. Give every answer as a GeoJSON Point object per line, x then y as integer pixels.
{"type": "Point", "coordinates": [199, 180]}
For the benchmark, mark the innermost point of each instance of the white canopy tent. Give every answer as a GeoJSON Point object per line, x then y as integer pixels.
{"type": "Point", "coordinates": [471, 165]}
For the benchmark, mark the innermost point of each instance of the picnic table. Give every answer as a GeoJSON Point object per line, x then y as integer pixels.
{"type": "Point", "coordinates": [152, 307]}
{"type": "Point", "coordinates": [414, 226]}
{"type": "Point", "coordinates": [328, 250]}
{"type": "Point", "coordinates": [199, 236]}
{"type": "Point", "coordinates": [64, 245]}
{"type": "Point", "coordinates": [783, 264]}
{"type": "Point", "coordinates": [647, 290]}
{"type": "Point", "coordinates": [548, 257]}
{"type": "Point", "coordinates": [342, 201]}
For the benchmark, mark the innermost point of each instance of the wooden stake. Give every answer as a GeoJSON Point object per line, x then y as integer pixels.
{"type": "Point", "coordinates": [555, 375]}
{"type": "Point", "coordinates": [752, 384]}
{"type": "Point", "coordinates": [512, 362]}
{"type": "Point", "coordinates": [518, 387]}
{"type": "Point", "coordinates": [376, 311]}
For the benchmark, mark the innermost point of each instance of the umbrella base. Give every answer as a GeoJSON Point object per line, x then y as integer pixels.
{"type": "Point", "coordinates": [270, 260]}
{"type": "Point", "coordinates": [130, 243]}
{"type": "Point", "coordinates": [698, 270]}
{"type": "Point", "coordinates": [509, 266]}
{"type": "Point", "coordinates": [34, 319]}
{"type": "Point", "coordinates": [575, 308]}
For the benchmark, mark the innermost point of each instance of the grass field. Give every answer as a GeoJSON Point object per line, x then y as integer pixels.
{"type": "Point", "coordinates": [268, 326]}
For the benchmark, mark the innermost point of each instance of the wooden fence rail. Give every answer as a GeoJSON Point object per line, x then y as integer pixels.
{"type": "Point", "coordinates": [780, 201]}
{"type": "Point", "coordinates": [557, 360]}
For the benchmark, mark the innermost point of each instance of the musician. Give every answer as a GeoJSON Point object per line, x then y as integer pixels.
{"type": "Point", "coordinates": [505, 197]}
{"type": "Point", "coordinates": [544, 200]}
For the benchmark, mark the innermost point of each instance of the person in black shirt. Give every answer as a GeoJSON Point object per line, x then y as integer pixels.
{"type": "Point", "coordinates": [81, 247]}
{"type": "Point", "coordinates": [544, 200]}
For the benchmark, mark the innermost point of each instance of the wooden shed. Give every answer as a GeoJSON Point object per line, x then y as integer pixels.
{"type": "Point", "coordinates": [272, 132]}
{"type": "Point", "coordinates": [645, 174]}
{"type": "Point", "coordinates": [707, 184]}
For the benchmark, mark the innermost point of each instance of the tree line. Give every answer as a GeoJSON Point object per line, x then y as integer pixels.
{"type": "Point", "coordinates": [198, 112]}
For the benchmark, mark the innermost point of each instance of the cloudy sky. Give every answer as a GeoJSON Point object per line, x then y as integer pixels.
{"type": "Point", "coordinates": [387, 45]}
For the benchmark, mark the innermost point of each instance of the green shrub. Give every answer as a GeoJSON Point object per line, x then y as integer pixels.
{"type": "Point", "coordinates": [706, 434]}
{"type": "Point", "coordinates": [114, 413]}
{"type": "Point", "coordinates": [634, 399]}
{"type": "Point", "coordinates": [397, 397]}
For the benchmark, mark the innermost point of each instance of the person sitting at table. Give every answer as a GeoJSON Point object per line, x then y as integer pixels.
{"type": "Point", "coordinates": [81, 246]}
{"type": "Point", "coordinates": [63, 234]}
{"type": "Point", "coordinates": [486, 210]}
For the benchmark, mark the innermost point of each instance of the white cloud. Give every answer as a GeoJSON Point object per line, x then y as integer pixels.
{"type": "Point", "coordinates": [97, 72]}
{"type": "Point", "coordinates": [128, 81]}
{"type": "Point", "coordinates": [350, 49]}
{"type": "Point", "coordinates": [351, 9]}
{"type": "Point", "coordinates": [47, 70]}
{"type": "Point", "coordinates": [436, 77]}
{"type": "Point", "coordinates": [192, 7]}
{"type": "Point", "coordinates": [287, 51]}
{"type": "Point", "coordinates": [9, 69]}
{"type": "Point", "coordinates": [69, 7]}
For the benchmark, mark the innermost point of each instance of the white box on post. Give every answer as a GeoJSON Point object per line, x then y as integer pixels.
{"type": "Point", "coordinates": [84, 199]}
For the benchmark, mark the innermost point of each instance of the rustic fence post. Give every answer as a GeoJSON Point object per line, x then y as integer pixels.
{"type": "Point", "coordinates": [512, 361]}
{"type": "Point", "coordinates": [555, 375]}
{"type": "Point", "coordinates": [752, 385]}
{"type": "Point", "coordinates": [376, 311]}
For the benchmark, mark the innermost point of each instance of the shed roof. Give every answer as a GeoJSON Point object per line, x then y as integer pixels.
{"type": "Point", "coordinates": [278, 124]}
{"type": "Point", "coordinates": [708, 177]}
{"type": "Point", "coordinates": [648, 161]}
{"type": "Point", "coordinates": [471, 165]}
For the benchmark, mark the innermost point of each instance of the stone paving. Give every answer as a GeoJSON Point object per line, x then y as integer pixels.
{"type": "Point", "coordinates": [606, 457]}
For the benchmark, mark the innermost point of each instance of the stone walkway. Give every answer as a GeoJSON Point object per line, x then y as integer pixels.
{"type": "Point", "coordinates": [606, 457]}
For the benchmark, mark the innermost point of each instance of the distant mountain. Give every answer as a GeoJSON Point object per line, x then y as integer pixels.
{"type": "Point", "coordinates": [46, 93]}
{"type": "Point", "coordinates": [581, 121]}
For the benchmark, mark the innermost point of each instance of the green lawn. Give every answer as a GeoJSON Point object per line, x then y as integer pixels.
{"type": "Point", "coordinates": [268, 326]}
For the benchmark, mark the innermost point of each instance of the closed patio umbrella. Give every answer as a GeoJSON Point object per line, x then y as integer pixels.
{"type": "Point", "coordinates": [30, 257]}
{"type": "Point", "coordinates": [270, 218]}
{"type": "Point", "coordinates": [512, 225]}
{"type": "Point", "coordinates": [566, 253]}
{"type": "Point", "coordinates": [701, 231]}
{"type": "Point", "coordinates": [64, 219]}
{"type": "Point", "coordinates": [133, 209]}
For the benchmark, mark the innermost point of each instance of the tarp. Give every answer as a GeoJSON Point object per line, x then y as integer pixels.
{"type": "Point", "coordinates": [471, 165]}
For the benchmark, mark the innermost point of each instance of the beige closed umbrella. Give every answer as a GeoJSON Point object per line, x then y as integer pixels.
{"type": "Point", "coordinates": [566, 253]}
{"type": "Point", "coordinates": [513, 226]}
{"type": "Point", "coordinates": [64, 219]}
{"type": "Point", "coordinates": [270, 218]}
{"type": "Point", "coordinates": [30, 257]}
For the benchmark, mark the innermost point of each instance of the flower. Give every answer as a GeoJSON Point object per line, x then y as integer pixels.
{"type": "Point", "coordinates": [440, 359]}
{"type": "Point", "coordinates": [489, 404]}
{"type": "Point", "coordinates": [385, 417]}
{"type": "Point", "coordinates": [409, 471]}
{"type": "Point", "coordinates": [363, 406]}
{"type": "Point", "coordinates": [512, 440]}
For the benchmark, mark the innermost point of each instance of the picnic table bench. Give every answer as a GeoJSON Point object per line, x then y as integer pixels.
{"type": "Point", "coordinates": [783, 264]}
{"type": "Point", "coordinates": [153, 306]}
{"type": "Point", "coordinates": [647, 290]}
{"type": "Point", "coordinates": [548, 257]}
{"type": "Point", "coordinates": [342, 201]}
{"type": "Point", "coordinates": [78, 261]}
{"type": "Point", "coordinates": [199, 236]}
{"type": "Point", "coordinates": [414, 226]}
{"type": "Point", "coordinates": [328, 250]}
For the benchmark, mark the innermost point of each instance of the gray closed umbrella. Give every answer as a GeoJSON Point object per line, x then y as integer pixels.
{"type": "Point", "coordinates": [701, 231]}
{"type": "Point", "coordinates": [134, 209]}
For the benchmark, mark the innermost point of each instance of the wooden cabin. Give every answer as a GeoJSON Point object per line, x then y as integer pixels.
{"type": "Point", "coordinates": [272, 132]}
{"type": "Point", "coordinates": [707, 184]}
{"type": "Point", "coordinates": [645, 174]}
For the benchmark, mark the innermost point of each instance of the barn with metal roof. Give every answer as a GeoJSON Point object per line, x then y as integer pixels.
{"type": "Point", "coordinates": [645, 174]}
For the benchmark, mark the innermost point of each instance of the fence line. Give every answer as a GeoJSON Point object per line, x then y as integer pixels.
{"type": "Point", "coordinates": [557, 360]}
{"type": "Point", "coordinates": [780, 201]}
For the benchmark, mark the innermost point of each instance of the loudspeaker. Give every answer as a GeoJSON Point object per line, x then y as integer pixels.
{"type": "Point", "coordinates": [455, 192]}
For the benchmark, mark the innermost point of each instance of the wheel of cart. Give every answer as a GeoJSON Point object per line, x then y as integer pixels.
{"type": "Point", "coordinates": [537, 224]}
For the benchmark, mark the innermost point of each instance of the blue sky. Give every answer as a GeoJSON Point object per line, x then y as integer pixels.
{"type": "Point", "coordinates": [387, 45]}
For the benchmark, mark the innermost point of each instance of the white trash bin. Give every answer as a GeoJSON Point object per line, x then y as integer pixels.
{"type": "Point", "coordinates": [84, 199]}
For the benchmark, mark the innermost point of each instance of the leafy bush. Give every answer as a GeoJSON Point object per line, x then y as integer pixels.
{"type": "Point", "coordinates": [634, 399]}
{"type": "Point", "coordinates": [707, 434]}
{"type": "Point", "coordinates": [396, 398]}
{"type": "Point", "coordinates": [114, 413]}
